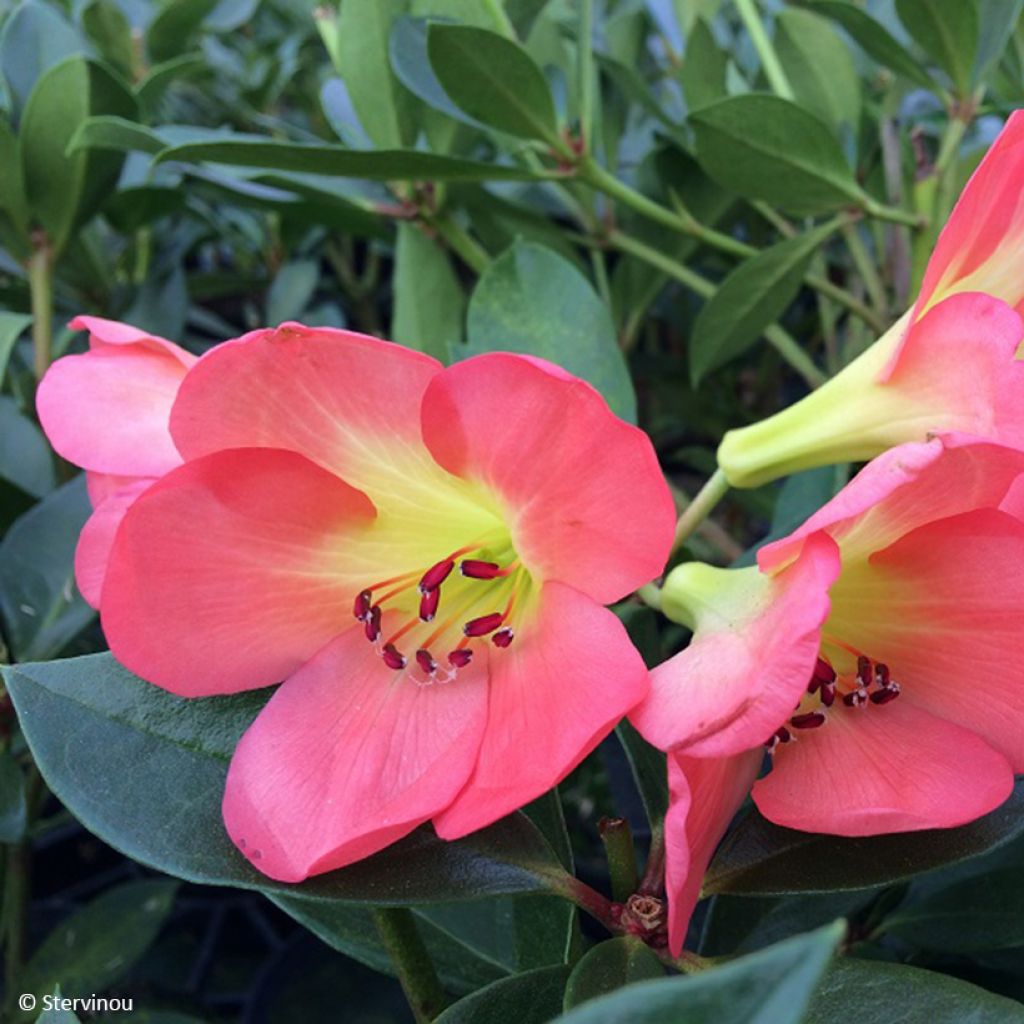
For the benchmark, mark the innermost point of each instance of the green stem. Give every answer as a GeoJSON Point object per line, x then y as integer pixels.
{"type": "Point", "coordinates": [866, 269]}
{"type": "Point", "coordinates": [653, 882]}
{"type": "Point", "coordinates": [461, 243]}
{"type": "Point", "coordinates": [590, 900]}
{"type": "Point", "coordinates": [891, 213]}
{"type": "Point", "coordinates": [585, 56]}
{"type": "Point", "coordinates": [700, 508]}
{"type": "Point", "coordinates": [501, 20]}
{"type": "Point", "coordinates": [769, 58]}
{"type": "Point", "coordinates": [617, 838]}
{"type": "Point", "coordinates": [401, 938]}
{"type": "Point", "coordinates": [40, 283]}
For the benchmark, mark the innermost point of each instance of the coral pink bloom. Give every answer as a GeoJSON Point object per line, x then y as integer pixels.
{"type": "Point", "coordinates": [897, 705]}
{"type": "Point", "coordinates": [107, 411]}
{"type": "Point", "coordinates": [421, 554]}
{"type": "Point", "coordinates": [948, 365]}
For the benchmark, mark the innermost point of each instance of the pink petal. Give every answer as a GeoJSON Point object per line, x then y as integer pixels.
{"type": "Point", "coordinates": [101, 486]}
{"type": "Point", "coordinates": [877, 769]}
{"type": "Point", "coordinates": [230, 572]}
{"type": "Point", "coordinates": [347, 757]}
{"type": "Point", "coordinates": [346, 401]}
{"type": "Point", "coordinates": [113, 332]}
{"type": "Point", "coordinates": [705, 794]}
{"type": "Point", "coordinates": [108, 410]}
{"type": "Point", "coordinates": [588, 500]}
{"type": "Point", "coordinates": [943, 608]}
{"type": "Point", "coordinates": [754, 647]}
{"type": "Point", "coordinates": [97, 537]}
{"type": "Point", "coordinates": [568, 677]}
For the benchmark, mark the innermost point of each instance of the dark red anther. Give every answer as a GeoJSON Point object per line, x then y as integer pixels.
{"type": "Point", "coordinates": [823, 672]}
{"type": "Point", "coordinates": [483, 625]}
{"type": "Point", "coordinates": [460, 657]}
{"type": "Point", "coordinates": [828, 694]}
{"type": "Point", "coordinates": [436, 575]}
{"type": "Point", "coordinates": [855, 698]}
{"type": "Point", "coordinates": [863, 671]}
{"type": "Point", "coordinates": [783, 734]}
{"type": "Point", "coordinates": [361, 605]}
{"type": "Point", "coordinates": [503, 637]}
{"type": "Point", "coordinates": [372, 626]}
{"type": "Point", "coordinates": [426, 661]}
{"type": "Point", "coordinates": [891, 692]}
{"type": "Point", "coordinates": [477, 570]}
{"type": "Point", "coordinates": [393, 657]}
{"type": "Point", "coordinates": [811, 720]}
{"type": "Point", "coordinates": [882, 676]}
{"type": "Point", "coordinates": [428, 604]}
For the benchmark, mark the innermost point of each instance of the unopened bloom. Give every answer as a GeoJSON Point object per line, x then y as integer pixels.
{"type": "Point", "coordinates": [948, 366]}
{"type": "Point", "coordinates": [107, 411]}
{"type": "Point", "coordinates": [421, 554]}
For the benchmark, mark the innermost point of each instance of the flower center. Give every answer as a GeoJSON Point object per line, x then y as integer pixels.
{"type": "Point", "coordinates": [828, 692]}
{"type": "Point", "coordinates": [430, 621]}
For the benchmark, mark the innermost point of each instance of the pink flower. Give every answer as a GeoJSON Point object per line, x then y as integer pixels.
{"type": "Point", "coordinates": [107, 411]}
{"type": "Point", "coordinates": [948, 366]}
{"type": "Point", "coordinates": [421, 554]}
{"type": "Point", "coordinates": [878, 650]}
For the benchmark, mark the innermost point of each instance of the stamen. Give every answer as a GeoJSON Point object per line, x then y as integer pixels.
{"type": "Point", "coordinates": [503, 637]}
{"type": "Point", "coordinates": [856, 698]}
{"type": "Point", "coordinates": [393, 658]}
{"type": "Point", "coordinates": [882, 675]}
{"type": "Point", "coordinates": [810, 720]}
{"type": "Point", "coordinates": [483, 625]}
{"type": "Point", "coordinates": [426, 661]}
{"type": "Point", "coordinates": [361, 605]}
{"type": "Point", "coordinates": [822, 673]}
{"type": "Point", "coordinates": [478, 570]}
{"type": "Point", "coordinates": [436, 575]}
{"type": "Point", "coordinates": [828, 694]}
{"type": "Point", "coordinates": [781, 735]}
{"type": "Point", "coordinates": [863, 671]}
{"type": "Point", "coordinates": [460, 657]}
{"type": "Point", "coordinates": [428, 604]}
{"type": "Point", "coordinates": [890, 692]}
{"type": "Point", "coordinates": [372, 627]}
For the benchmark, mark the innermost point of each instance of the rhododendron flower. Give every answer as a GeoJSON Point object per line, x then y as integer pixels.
{"type": "Point", "coordinates": [421, 554]}
{"type": "Point", "coordinates": [948, 365]}
{"type": "Point", "coordinates": [107, 411]}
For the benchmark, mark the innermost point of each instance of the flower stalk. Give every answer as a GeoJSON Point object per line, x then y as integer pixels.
{"type": "Point", "coordinates": [415, 969]}
{"type": "Point", "coordinates": [617, 838]}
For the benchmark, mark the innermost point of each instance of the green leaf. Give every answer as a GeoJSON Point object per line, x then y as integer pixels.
{"type": "Point", "coordinates": [12, 326]}
{"type": "Point", "coordinates": [106, 25]}
{"type": "Point", "coordinates": [144, 770]}
{"type": "Point", "coordinates": [171, 31]}
{"type": "Point", "coordinates": [870, 992]}
{"type": "Point", "coordinates": [98, 944]}
{"type": "Point", "coordinates": [54, 1015]}
{"type": "Point", "coordinates": [13, 207]}
{"type": "Point", "coordinates": [492, 79]}
{"type": "Point", "coordinates": [35, 38]}
{"type": "Point", "coordinates": [117, 133]}
{"type": "Point", "coordinates": [39, 603]}
{"type": "Point", "coordinates": [772, 986]}
{"type": "Point", "coordinates": [649, 770]}
{"type": "Point", "coordinates": [764, 147]}
{"type": "Point", "coordinates": [873, 39]}
{"type": "Point", "coordinates": [609, 966]}
{"type": "Point", "coordinates": [291, 291]}
{"type": "Point", "coordinates": [818, 66]}
{"type": "Point", "coordinates": [533, 997]}
{"type": "Point", "coordinates": [996, 21]}
{"type": "Point", "coordinates": [375, 165]}
{"type": "Point", "coordinates": [64, 191]}
{"type": "Point", "coordinates": [947, 32]}
{"type": "Point", "coordinates": [429, 301]}
{"type": "Point", "coordinates": [704, 67]}
{"type": "Point", "coordinates": [532, 301]}
{"type": "Point", "coordinates": [13, 811]}
{"type": "Point", "coordinates": [161, 77]}
{"type": "Point", "coordinates": [761, 859]}
{"type": "Point", "coordinates": [25, 459]}
{"type": "Point", "coordinates": [753, 296]}
{"type": "Point", "coordinates": [381, 102]}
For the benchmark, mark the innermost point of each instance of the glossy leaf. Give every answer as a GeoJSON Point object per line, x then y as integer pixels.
{"type": "Point", "coordinates": [39, 603]}
{"type": "Point", "coordinates": [761, 859]}
{"type": "Point", "coordinates": [765, 147]}
{"type": "Point", "coordinates": [107, 26]}
{"type": "Point", "coordinates": [947, 32]}
{"type": "Point", "coordinates": [25, 458]}
{"type": "Point", "coordinates": [996, 21]}
{"type": "Point", "coordinates": [532, 301]}
{"type": "Point", "coordinates": [533, 997]}
{"type": "Point", "coordinates": [35, 37]}
{"type": "Point", "coordinates": [649, 770]}
{"type": "Point", "coordinates": [772, 986]}
{"type": "Point", "coordinates": [117, 133]}
{"type": "Point", "coordinates": [704, 66]}
{"type": "Point", "coordinates": [871, 992]}
{"type": "Point", "coordinates": [291, 291]}
{"type": "Point", "coordinates": [13, 209]}
{"type": "Point", "coordinates": [748, 300]}
{"type": "Point", "coordinates": [493, 80]}
{"type": "Point", "coordinates": [13, 812]}
{"type": "Point", "coordinates": [12, 326]}
{"type": "Point", "coordinates": [176, 22]}
{"type": "Point", "coordinates": [117, 751]}
{"type": "Point", "coordinates": [609, 966]}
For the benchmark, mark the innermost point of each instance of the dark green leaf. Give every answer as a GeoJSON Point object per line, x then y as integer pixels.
{"type": "Point", "coordinates": [996, 21]}
{"type": "Point", "coordinates": [492, 79]}
{"type": "Point", "coordinates": [376, 165]}
{"type": "Point", "coordinates": [99, 944]}
{"type": "Point", "coordinates": [947, 32]}
{"type": "Point", "coordinates": [704, 66]}
{"type": "Point", "coordinates": [533, 997]}
{"type": "Point", "coordinates": [748, 300]}
{"type": "Point", "coordinates": [13, 209]}
{"type": "Point", "coordinates": [12, 326]}
{"type": "Point", "coordinates": [870, 992]}
{"type": "Point", "coordinates": [161, 77]}
{"type": "Point", "coordinates": [54, 1015]}
{"type": "Point", "coordinates": [108, 28]}
{"type": "Point", "coordinates": [765, 147]}
{"type": "Point", "coordinates": [532, 301]}
{"type": "Point", "coordinates": [117, 133]}
{"type": "Point", "coordinates": [772, 986]}
{"type": "Point", "coordinates": [13, 812]}
{"type": "Point", "coordinates": [25, 458]}
{"type": "Point", "coordinates": [291, 291]}
{"type": "Point", "coordinates": [171, 31]}
{"type": "Point", "coordinates": [40, 605]}
{"type": "Point", "coordinates": [117, 751]}
{"type": "Point", "coordinates": [429, 301]}
{"type": "Point", "coordinates": [759, 858]}
{"type": "Point", "coordinates": [609, 966]}
{"type": "Point", "coordinates": [35, 37]}
{"type": "Point", "coordinates": [649, 770]}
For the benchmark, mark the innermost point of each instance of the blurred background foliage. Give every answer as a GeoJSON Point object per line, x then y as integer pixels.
{"type": "Point", "coordinates": [705, 207]}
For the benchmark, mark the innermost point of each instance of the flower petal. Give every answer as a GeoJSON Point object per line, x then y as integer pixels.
{"type": "Point", "coordinates": [589, 504]}
{"type": "Point", "coordinates": [108, 410]}
{"type": "Point", "coordinates": [559, 689]}
{"type": "Point", "coordinates": [230, 572]}
{"type": "Point", "coordinates": [942, 607]}
{"type": "Point", "coordinates": [755, 641]}
{"type": "Point", "coordinates": [347, 757]}
{"type": "Point", "coordinates": [893, 768]}
{"type": "Point", "coordinates": [704, 795]}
